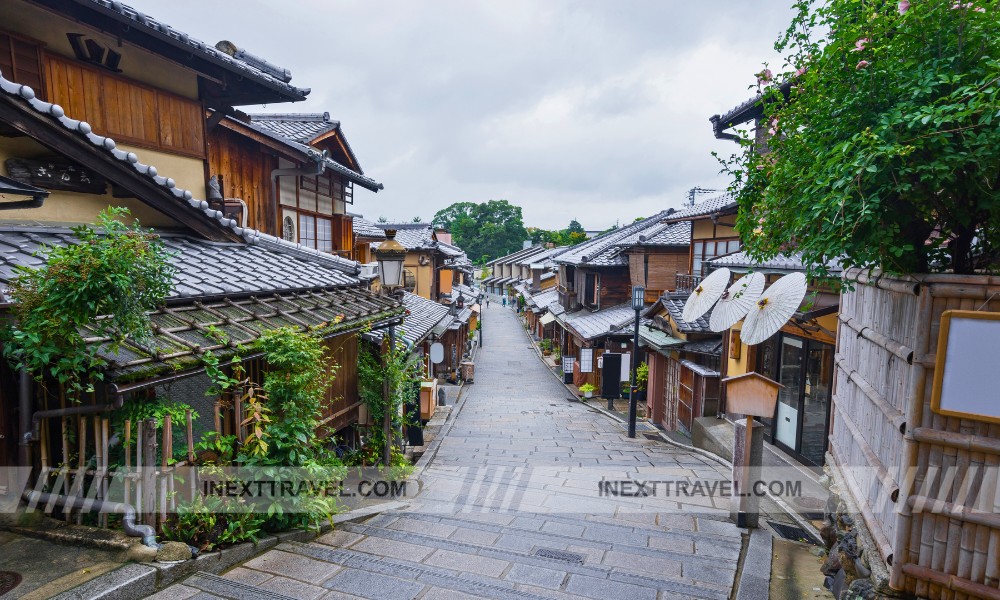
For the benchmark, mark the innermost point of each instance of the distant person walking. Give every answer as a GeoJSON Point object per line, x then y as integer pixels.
{"type": "Point", "coordinates": [504, 301]}
{"type": "Point", "coordinates": [487, 302]}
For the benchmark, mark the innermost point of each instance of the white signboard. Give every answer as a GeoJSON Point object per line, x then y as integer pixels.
{"type": "Point", "coordinates": [586, 360]}
{"type": "Point", "coordinates": [626, 367]}
{"type": "Point", "coordinates": [567, 364]}
{"type": "Point", "coordinates": [966, 378]}
{"type": "Point", "coordinates": [437, 353]}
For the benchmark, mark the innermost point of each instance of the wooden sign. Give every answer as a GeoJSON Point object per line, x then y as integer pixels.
{"type": "Point", "coordinates": [567, 363]}
{"type": "Point", "coordinates": [751, 394]}
{"type": "Point", "coordinates": [56, 174]}
{"type": "Point", "coordinates": [966, 378]}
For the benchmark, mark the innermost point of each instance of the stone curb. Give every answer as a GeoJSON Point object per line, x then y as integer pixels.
{"type": "Point", "coordinates": [139, 580]}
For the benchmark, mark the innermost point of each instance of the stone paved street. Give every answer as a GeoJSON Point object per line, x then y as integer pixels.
{"type": "Point", "coordinates": [510, 508]}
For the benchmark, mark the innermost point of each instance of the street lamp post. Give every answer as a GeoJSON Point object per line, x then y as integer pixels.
{"type": "Point", "coordinates": [390, 256]}
{"type": "Point", "coordinates": [638, 302]}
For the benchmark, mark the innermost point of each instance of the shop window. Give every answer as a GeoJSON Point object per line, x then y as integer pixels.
{"type": "Point", "coordinates": [409, 281]}
{"type": "Point", "coordinates": [21, 62]}
{"type": "Point", "coordinates": [288, 229]}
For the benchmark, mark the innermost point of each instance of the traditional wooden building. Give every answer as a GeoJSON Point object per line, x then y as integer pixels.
{"type": "Point", "coordinates": [103, 106]}
{"type": "Point", "coordinates": [432, 266]}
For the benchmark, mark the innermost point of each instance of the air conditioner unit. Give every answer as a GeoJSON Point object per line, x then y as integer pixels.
{"type": "Point", "coordinates": [369, 270]}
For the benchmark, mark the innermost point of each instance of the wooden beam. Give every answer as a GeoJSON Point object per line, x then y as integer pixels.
{"type": "Point", "coordinates": [69, 143]}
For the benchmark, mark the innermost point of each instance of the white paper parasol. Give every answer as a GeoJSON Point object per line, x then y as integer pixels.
{"type": "Point", "coordinates": [736, 301]}
{"type": "Point", "coordinates": [773, 309]}
{"type": "Point", "coordinates": [705, 294]}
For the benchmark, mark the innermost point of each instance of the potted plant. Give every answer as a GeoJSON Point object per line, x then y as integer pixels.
{"type": "Point", "coordinates": [587, 390]}
{"type": "Point", "coordinates": [546, 346]}
{"type": "Point", "coordinates": [641, 380]}
{"type": "Point", "coordinates": [556, 357]}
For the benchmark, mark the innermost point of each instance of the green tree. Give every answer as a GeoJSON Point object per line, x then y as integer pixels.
{"type": "Point", "coordinates": [883, 140]}
{"type": "Point", "coordinates": [489, 229]}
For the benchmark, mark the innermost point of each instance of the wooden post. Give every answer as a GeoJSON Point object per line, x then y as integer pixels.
{"type": "Point", "coordinates": [190, 437]}
{"type": "Point", "coordinates": [128, 462]}
{"type": "Point", "coordinates": [148, 472]}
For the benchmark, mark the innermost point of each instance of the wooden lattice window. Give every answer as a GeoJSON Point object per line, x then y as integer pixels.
{"type": "Point", "coordinates": [21, 62]}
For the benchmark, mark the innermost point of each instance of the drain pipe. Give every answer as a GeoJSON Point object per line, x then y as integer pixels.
{"type": "Point", "coordinates": [24, 418]}
{"type": "Point", "coordinates": [127, 511]}
{"type": "Point", "coordinates": [319, 157]}
{"type": "Point", "coordinates": [32, 434]}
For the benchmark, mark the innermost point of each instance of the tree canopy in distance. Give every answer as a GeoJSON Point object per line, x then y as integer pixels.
{"type": "Point", "coordinates": [485, 230]}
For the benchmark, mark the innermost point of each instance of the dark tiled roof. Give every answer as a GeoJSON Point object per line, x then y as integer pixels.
{"type": "Point", "coordinates": [241, 67]}
{"type": "Point", "coordinates": [180, 333]}
{"type": "Point", "coordinates": [202, 268]}
{"type": "Point", "coordinates": [300, 127]}
{"type": "Point", "coordinates": [464, 290]}
{"type": "Point", "coordinates": [674, 303]}
{"type": "Point", "coordinates": [750, 109]}
{"type": "Point", "coordinates": [363, 180]}
{"type": "Point", "coordinates": [719, 204]}
{"type": "Point", "coordinates": [590, 325]}
{"type": "Point", "coordinates": [364, 228]}
{"type": "Point", "coordinates": [676, 234]}
{"type": "Point", "coordinates": [513, 257]}
{"type": "Point", "coordinates": [422, 315]}
{"type": "Point", "coordinates": [781, 263]}
{"type": "Point", "coordinates": [412, 236]}
{"type": "Point", "coordinates": [606, 250]}
{"type": "Point", "coordinates": [712, 346]}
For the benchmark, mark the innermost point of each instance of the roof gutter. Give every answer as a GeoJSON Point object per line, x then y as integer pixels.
{"type": "Point", "coordinates": [720, 130]}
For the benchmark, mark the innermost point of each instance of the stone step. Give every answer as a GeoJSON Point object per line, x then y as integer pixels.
{"type": "Point", "coordinates": [220, 587]}
{"type": "Point", "coordinates": [723, 536]}
{"type": "Point", "coordinates": [618, 569]}
{"type": "Point", "coordinates": [379, 577]}
{"type": "Point", "coordinates": [712, 564]}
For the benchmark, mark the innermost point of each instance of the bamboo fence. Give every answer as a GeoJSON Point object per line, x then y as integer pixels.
{"type": "Point", "coordinates": [926, 483]}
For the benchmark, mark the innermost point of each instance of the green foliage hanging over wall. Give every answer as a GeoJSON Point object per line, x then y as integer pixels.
{"type": "Point", "coordinates": [402, 372]}
{"type": "Point", "coordinates": [884, 153]}
{"type": "Point", "coordinates": [108, 281]}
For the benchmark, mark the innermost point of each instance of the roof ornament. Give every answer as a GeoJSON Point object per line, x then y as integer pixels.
{"type": "Point", "coordinates": [257, 62]}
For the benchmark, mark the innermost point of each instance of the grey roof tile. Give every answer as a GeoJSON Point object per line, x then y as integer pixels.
{"type": "Point", "coordinates": [674, 303]}
{"type": "Point", "coordinates": [301, 127]}
{"type": "Point", "coordinates": [606, 249]}
{"type": "Point", "coordinates": [590, 325]}
{"type": "Point", "coordinates": [364, 228]}
{"type": "Point", "coordinates": [204, 268]}
{"type": "Point", "coordinates": [780, 263]}
{"type": "Point", "coordinates": [422, 316]}
{"type": "Point", "coordinates": [724, 203]}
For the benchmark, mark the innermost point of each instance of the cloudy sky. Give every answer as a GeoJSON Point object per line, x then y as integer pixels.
{"type": "Point", "coordinates": [594, 110]}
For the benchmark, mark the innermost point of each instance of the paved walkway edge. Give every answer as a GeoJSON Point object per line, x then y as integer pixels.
{"type": "Point", "coordinates": [755, 577]}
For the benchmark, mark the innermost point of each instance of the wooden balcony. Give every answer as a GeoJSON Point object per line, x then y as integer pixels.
{"type": "Point", "coordinates": [687, 283]}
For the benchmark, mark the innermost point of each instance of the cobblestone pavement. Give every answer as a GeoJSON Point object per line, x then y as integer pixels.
{"type": "Point", "coordinates": [511, 508]}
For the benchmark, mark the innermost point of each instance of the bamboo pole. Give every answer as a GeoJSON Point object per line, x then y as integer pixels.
{"type": "Point", "coordinates": [190, 437]}
{"type": "Point", "coordinates": [951, 582]}
{"type": "Point", "coordinates": [891, 413]}
{"type": "Point", "coordinates": [899, 286]}
{"type": "Point", "coordinates": [81, 473]}
{"type": "Point", "coordinates": [892, 346]}
{"type": "Point", "coordinates": [961, 441]}
{"type": "Point", "coordinates": [884, 547]}
{"type": "Point", "coordinates": [914, 415]}
{"type": "Point", "coordinates": [884, 477]}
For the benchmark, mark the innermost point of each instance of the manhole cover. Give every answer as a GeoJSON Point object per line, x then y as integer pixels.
{"type": "Point", "coordinates": [559, 555]}
{"type": "Point", "coordinates": [8, 581]}
{"type": "Point", "coordinates": [792, 532]}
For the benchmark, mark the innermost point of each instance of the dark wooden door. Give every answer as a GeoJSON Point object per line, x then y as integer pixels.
{"type": "Point", "coordinates": [611, 375]}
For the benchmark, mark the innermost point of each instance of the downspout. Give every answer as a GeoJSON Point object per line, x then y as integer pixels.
{"type": "Point", "coordinates": [127, 511]}
{"type": "Point", "coordinates": [24, 418]}
{"type": "Point", "coordinates": [319, 157]}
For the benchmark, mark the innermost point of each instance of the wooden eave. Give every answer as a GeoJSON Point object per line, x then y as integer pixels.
{"type": "Point", "coordinates": [271, 143]}
{"type": "Point", "coordinates": [39, 127]}
{"type": "Point", "coordinates": [338, 136]}
{"type": "Point", "coordinates": [235, 88]}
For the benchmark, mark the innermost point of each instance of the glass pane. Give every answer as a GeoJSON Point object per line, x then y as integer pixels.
{"type": "Point", "coordinates": [815, 407]}
{"type": "Point", "coordinates": [790, 376]}
{"type": "Point", "coordinates": [307, 231]}
{"type": "Point", "coordinates": [323, 235]}
{"type": "Point", "coordinates": [734, 246]}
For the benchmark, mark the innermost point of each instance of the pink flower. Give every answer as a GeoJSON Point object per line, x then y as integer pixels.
{"type": "Point", "coordinates": [980, 9]}
{"type": "Point", "coordinates": [764, 76]}
{"type": "Point", "coordinates": [904, 5]}
{"type": "Point", "coordinates": [862, 64]}
{"type": "Point", "coordinates": [860, 45]}
{"type": "Point", "coordinates": [801, 71]}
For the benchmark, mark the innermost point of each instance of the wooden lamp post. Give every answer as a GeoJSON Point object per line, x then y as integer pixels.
{"type": "Point", "coordinates": [753, 395]}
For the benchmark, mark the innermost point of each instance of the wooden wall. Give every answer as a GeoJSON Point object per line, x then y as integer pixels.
{"type": "Point", "coordinates": [656, 270]}
{"type": "Point", "coordinates": [246, 174]}
{"type": "Point", "coordinates": [125, 110]}
{"type": "Point", "coordinates": [342, 399]}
